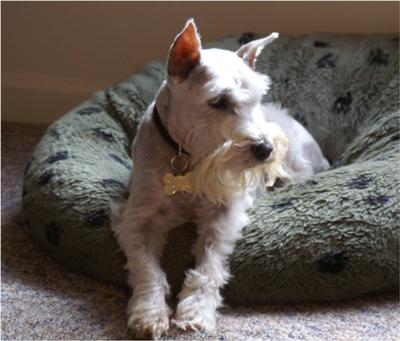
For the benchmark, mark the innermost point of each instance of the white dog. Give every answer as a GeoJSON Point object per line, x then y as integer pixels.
{"type": "Point", "coordinates": [205, 146]}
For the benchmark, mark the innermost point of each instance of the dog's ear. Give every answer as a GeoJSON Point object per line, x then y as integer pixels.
{"type": "Point", "coordinates": [251, 50]}
{"type": "Point", "coordinates": [184, 53]}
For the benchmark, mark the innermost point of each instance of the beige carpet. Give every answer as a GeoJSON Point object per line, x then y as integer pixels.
{"type": "Point", "coordinates": [42, 300]}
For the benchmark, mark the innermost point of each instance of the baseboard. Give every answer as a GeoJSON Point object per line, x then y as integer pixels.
{"type": "Point", "coordinates": [46, 83]}
{"type": "Point", "coordinates": [36, 98]}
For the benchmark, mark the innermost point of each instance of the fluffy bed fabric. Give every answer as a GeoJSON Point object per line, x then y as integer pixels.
{"type": "Point", "coordinates": [333, 236]}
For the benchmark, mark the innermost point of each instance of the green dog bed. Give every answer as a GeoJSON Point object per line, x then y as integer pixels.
{"type": "Point", "coordinates": [332, 236]}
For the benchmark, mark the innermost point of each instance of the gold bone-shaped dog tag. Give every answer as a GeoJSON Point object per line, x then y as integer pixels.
{"type": "Point", "coordinates": [177, 183]}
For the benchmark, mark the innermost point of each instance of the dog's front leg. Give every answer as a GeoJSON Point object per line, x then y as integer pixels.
{"type": "Point", "coordinates": [142, 236]}
{"type": "Point", "coordinates": [200, 296]}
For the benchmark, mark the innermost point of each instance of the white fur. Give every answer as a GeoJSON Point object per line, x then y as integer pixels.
{"type": "Point", "coordinates": [225, 174]}
{"type": "Point", "coordinates": [304, 156]}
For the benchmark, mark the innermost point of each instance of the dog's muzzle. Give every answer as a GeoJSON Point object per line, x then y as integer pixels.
{"type": "Point", "coordinates": [262, 150]}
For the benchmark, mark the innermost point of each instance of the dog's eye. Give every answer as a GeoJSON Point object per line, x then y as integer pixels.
{"type": "Point", "coordinates": [219, 102]}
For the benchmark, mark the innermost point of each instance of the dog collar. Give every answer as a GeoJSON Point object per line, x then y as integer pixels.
{"type": "Point", "coordinates": [164, 132]}
{"type": "Point", "coordinates": [179, 180]}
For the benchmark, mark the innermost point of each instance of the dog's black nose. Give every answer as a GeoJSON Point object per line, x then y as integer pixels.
{"type": "Point", "coordinates": [262, 151]}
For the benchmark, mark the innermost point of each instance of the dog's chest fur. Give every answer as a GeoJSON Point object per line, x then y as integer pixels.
{"type": "Point", "coordinates": [151, 164]}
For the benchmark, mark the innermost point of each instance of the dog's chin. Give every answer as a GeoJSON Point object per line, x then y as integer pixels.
{"type": "Point", "coordinates": [222, 177]}
{"type": "Point", "coordinates": [248, 161]}
{"type": "Point", "coordinates": [273, 169]}
{"type": "Point", "coordinates": [231, 169]}
{"type": "Point", "coordinates": [259, 171]}
{"type": "Point", "coordinates": [244, 163]}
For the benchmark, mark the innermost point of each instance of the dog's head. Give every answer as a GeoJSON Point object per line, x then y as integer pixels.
{"type": "Point", "coordinates": [211, 100]}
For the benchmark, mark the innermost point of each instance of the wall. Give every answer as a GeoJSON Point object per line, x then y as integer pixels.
{"type": "Point", "coordinates": [55, 54]}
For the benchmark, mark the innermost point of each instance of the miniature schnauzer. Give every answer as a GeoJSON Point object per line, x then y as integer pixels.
{"type": "Point", "coordinates": [204, 148]}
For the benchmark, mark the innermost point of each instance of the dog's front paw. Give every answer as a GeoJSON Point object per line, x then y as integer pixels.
{"type": "Point", "coordinates": [149, 324]}
{"type": "Point", "coordinates": [196, 315]}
